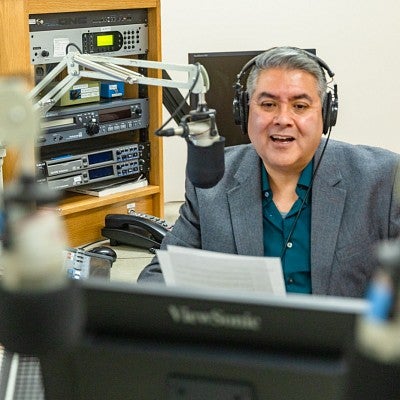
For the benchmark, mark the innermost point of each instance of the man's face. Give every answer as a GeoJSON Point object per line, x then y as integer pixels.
{"type": "Point", "coordinates": [285, 119]}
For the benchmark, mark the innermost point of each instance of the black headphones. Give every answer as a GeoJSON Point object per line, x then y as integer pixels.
{"type": "Point", "coordinates": [241, 99]}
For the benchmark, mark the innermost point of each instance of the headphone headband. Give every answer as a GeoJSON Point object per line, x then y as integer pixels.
{"type": "Point", "coordinates": [241, 99]}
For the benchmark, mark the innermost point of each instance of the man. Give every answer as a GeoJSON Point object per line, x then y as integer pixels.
{"type": "Point", "coordinates": [320, 205]}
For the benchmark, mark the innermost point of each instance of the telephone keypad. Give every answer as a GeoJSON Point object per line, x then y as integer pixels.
{"type": "Point", "coordinates": [159, 221]}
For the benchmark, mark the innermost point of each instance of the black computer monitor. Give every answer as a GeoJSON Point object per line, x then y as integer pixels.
{"type": "Point", "coordinates": [222, 69]}
{"type": "Point", "coordinates": [154, 342]}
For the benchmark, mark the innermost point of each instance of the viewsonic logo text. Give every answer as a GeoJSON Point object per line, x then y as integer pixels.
{"type": "Point", "coordinates": [214, 317]}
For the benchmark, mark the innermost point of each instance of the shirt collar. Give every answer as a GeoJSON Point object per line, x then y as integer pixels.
{"type": "Point", "coordinates": [306, 175]}
{"type": "Point", "coordinates": [304, 180]}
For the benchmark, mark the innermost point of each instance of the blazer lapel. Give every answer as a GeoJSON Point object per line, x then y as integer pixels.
{"type": "Point", "coordinates": [245, 205]}
{"type": "Point", "coordinates": [327, 208]}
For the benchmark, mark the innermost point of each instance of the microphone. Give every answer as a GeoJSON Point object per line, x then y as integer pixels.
{"type": "Point", "coordinates": [205, 165]}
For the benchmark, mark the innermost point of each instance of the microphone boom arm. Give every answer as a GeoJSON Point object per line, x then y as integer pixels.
{"type": "Point", "coordinates": [101, 67]}
{"type": "Point", "coordinates": [198, 127]}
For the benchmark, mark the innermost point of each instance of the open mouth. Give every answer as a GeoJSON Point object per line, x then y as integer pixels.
{"type": "Point", "coordinates": [282, 139]}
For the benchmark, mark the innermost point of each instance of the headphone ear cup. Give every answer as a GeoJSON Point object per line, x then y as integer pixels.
{"type": "Point", "coordinates": [244, 101]}
{"type": "Point", "coordinates": [240, 109]}
{"type": "Point", "coordinates": [237, 115]}
{"type": "Point", "coordinates": [334, 108]}
{"type": "Point", "coordinates": [326, 113]}
{"type": "Point", "coordinates": [329, 111]}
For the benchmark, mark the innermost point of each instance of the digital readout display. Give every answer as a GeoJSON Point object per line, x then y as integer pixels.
{"type": "Point", "coordinates": [57, 123]}
{"type": "Point", "coordinates": [105, 40]}
{"type": "Point", "coordinates": [101, 172]}
{"type": "Point", "coordinates": [100, 157]}
{"type": "Point", "coordinates": [114, 114]}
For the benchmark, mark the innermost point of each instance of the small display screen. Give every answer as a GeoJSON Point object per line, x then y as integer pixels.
{"type": "Point", "coordinates": [105, 40]}
{"type": "Point", "coordinates": [57, 123]}
{"type": "Point", "coordinates": [114, 114]}
{"type": "Point", "coordinates": [101, 172]}
{"type": "Point", "coordinates": [100, 157]}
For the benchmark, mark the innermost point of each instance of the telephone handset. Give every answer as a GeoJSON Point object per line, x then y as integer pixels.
{"type": "Point", "coordinates": [138, 230]}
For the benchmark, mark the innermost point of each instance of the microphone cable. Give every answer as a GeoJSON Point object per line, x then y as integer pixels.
{"type": "Point", "coordinates": [181, 105]}
{"type": "Point", "coordinates": [305, 197]}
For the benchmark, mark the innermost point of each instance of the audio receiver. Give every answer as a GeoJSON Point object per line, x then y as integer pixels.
{"type": "Point", "coordinates": [110, 32]}
{"type": "Point", "coordinates": [69, 163]}
{"type": "Point", "coordinates": [66, 124]}
{"type": "Point", "coordinates": [132, 168]}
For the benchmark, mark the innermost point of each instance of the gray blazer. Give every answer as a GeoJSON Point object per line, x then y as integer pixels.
{"type": "Point", "coordinates": [353, 208]}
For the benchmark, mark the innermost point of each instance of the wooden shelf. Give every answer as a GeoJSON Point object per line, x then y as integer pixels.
{"type": "Point", "coordinates": [84, 215]}
{"type": "Point", "coordinates": [74, 203]}
{"type": "Point", "coordinates": [55, 6]}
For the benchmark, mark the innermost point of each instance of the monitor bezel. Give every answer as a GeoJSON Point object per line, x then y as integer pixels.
{"type": "Point", "coordinates": [130, 350]}
{"type": "Point", "coordinates": [293, 321]}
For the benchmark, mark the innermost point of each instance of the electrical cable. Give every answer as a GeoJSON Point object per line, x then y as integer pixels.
{"type": "Point", "coordinates": [305, 197]}
{"type": "Point", "coordinates": [181, 105]}
{"type": "Point", "coordinates": [72, 45]}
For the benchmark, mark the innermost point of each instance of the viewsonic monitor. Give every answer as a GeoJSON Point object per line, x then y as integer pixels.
{"type": "Point", "coordinates": [155, 342]}
{"type": "Point", "coordinates": [222, 69]}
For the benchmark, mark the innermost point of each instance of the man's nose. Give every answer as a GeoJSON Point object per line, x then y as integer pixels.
{"type": "Point", "coordinates": [283, 115]}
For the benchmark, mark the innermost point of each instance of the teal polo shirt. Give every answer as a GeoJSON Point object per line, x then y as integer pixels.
{"type": "Point", "coordinates": [296, 262]}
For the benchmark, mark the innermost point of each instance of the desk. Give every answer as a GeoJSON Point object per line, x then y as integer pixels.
{"type": "Point", "coordinates": [131, 260]}
{"type": "Point", "coordinates": [129, 263]}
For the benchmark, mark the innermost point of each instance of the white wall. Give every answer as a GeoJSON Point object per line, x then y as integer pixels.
{"type": "Point", "coordinates": [358, 39]}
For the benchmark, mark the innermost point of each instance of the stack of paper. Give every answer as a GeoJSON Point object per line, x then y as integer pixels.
{"type": "Point", "coordinates": [106, 188]}
{"type": "Point", "coordinates": [182, 266]}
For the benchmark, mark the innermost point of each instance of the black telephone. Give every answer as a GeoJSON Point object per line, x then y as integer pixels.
{"type": "Point", "coordinates": [138, 230]}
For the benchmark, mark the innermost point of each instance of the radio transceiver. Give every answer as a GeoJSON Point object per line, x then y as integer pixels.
{"type": "Point", "coordinates": [66, 124]}
{"type": "Point", "coordinates": [67, 164]}
{"type": "Point", "coordinates": [114, 33]}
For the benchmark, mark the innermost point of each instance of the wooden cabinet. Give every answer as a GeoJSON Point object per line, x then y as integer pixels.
{"type": "Point", "coordinates": [84, 215]}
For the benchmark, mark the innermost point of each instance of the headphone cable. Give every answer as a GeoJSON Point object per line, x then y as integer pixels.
{"type": "Point", "coordinates": [305, 197]}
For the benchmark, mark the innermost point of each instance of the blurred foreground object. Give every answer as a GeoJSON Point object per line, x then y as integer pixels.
{"type": "Point", "coordinates": [375, 358]}
{"type": "Point", "coordinates": [33, 241]}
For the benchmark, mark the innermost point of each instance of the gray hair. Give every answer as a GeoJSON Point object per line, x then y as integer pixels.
{"type": "Point", "coordinates": [288, 58]}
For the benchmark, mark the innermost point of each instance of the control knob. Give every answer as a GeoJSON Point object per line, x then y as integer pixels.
{"type": "Point", "coordinates": [92, 128]}
{"type": "Point", "coordinates": [138, 112]}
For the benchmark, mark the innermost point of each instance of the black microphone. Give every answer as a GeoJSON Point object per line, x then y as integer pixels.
{"type": "Point", "coordinates": [205, 165]}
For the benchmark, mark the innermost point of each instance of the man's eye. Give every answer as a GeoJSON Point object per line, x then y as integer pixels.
{"type": "Point", "coordinates": [268, 105]}
{"type": "Point", "coordinates": [300, 106]}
